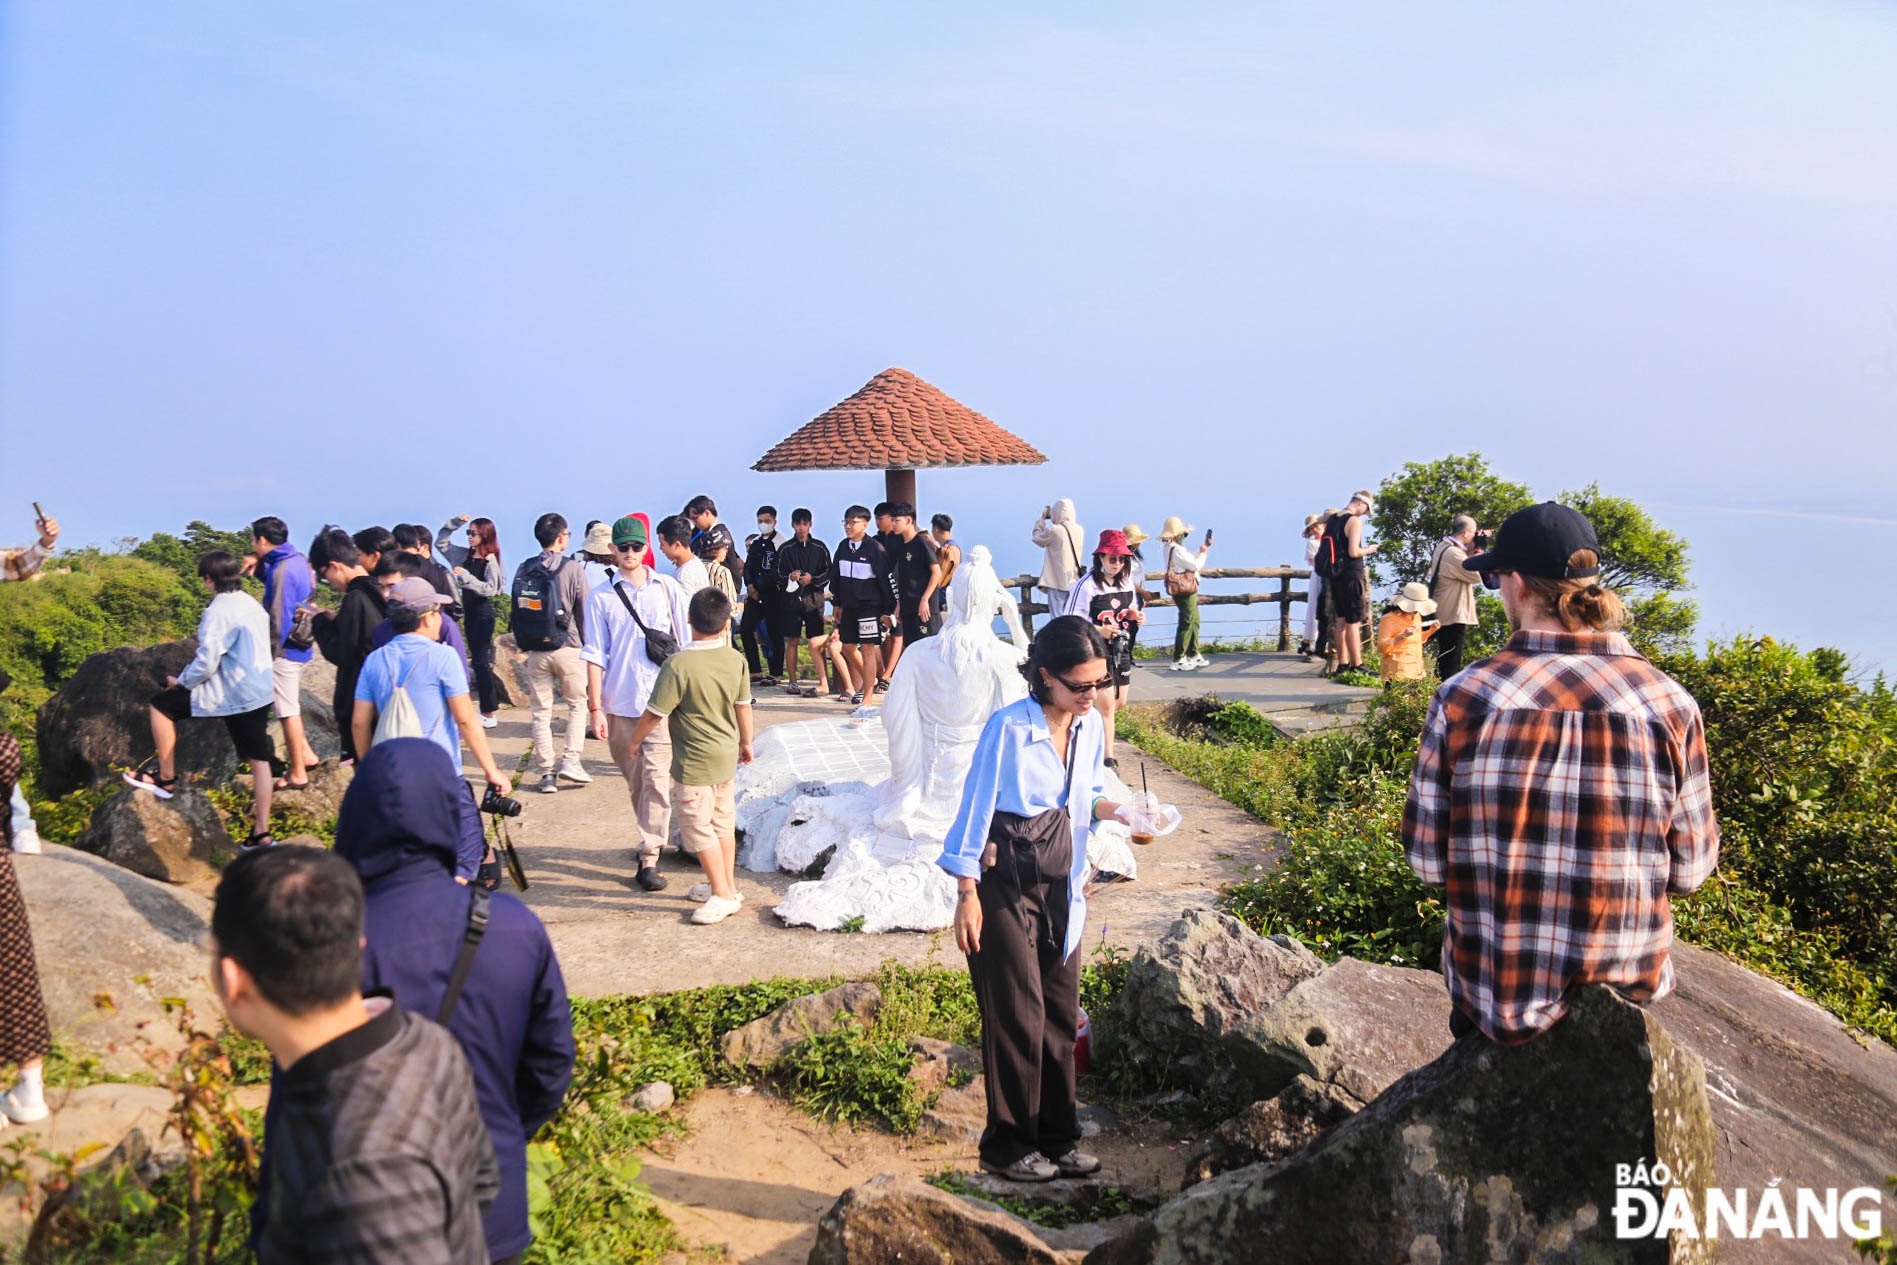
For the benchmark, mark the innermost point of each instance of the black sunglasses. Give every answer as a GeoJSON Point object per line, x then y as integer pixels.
{"type": "Point", "coordinates": [1089, 687]}
{"type": "Point", "coordinates": [637, 547]}
{"type": "Point", "coordinates": [1491, 579]}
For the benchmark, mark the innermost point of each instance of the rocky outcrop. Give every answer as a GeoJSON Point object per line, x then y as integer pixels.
{"type": "Point", "coordinates": [319, 718]}
{"type": "Point", "coordinates": [1272, 1129]}
{"type": "Point", "coordinates": [765, 1040]}
{"type": "Point", "coordinates": [892, 1218]}
{"type": "Point", "coordinates": [322, 800]}
{"type": "Point", "coordinates": [99, 930]}
{"type": "Point", "coordinates": [938, 1065]}
{"type": "Point", "coordinates": [97, 1197]}
{"type": "Point", "coordinates": [1188, 999]}
{"type": "Point", "coordinates": [1488, 1153]}
{"type": "Point", "coordinates": [172, 840]}
{"type": "Point", "coordinates": [1357, 1025]}
{"type": "Point", "coordinates": [100, 721]}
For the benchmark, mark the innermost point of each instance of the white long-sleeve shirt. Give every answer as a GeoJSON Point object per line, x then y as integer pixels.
{"type": "Point", "coordinates": [230, 674]}
{"type": "Point", "coordinates": [615, 642]}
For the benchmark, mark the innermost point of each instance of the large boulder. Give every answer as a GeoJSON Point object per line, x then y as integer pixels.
{"type": "Point", "coordinates": [892, 1217]}
{"type": "Point", "coordinates": [767, 1039]}
{"type": "Point", "coordinates": [100, 721]}
{"type": "Point", "coordinates": [99, 930]}
{"type": "Point", "coordinates": [322, 800]}
{"type": "Point", "coordinates": [1489, 1153]}
{"type": "Point", "coordinates": [1189, 1000]}
{"type": "Point", "coordinates": [172, 840]}
{"type": "Point", "coordinates": [1357, 1025]}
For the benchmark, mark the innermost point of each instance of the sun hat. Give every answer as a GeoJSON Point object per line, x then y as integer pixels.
{"type": "Point", "coordinates": [1538, 541]}
{"type": "Point", "coordinates": [1415, 598]}
{"type": "Point", "coordinates": [1134, 535]}
{"type": "Point", "coordinates": [1313, 520]}
{"type": "Point", "coordinates": [627, 531]}
{"type": "Point", "coordinates": [1113, 544]}
{"type": "Point", "coordinates": [415, 594]}
{"type": "Point", "coordinates": [599, 540]}
{"type": "Point", "coordinates": [1173, 528]}
{"type": "Point", "coordinates": [1369, 501]}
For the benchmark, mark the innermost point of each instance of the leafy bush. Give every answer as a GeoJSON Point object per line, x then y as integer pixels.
{"type": "Point", "coordinates": [1239, 722]}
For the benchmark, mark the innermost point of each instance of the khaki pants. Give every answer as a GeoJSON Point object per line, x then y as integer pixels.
{"type": "Point", "coordinates": [563, 672]}
{"type": "Point", "coordinates": [647, 769]}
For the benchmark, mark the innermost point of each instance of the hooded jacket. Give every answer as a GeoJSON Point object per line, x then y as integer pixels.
{"type": "Point", "coordinates": [399, 827]}
{"type": "Point", "coordinates": [1065, 543]}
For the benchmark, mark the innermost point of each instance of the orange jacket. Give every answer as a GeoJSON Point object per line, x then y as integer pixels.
{"type": "Point", "coordinates": [1400, 638]}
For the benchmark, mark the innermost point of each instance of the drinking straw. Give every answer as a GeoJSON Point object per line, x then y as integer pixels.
{"type": "Point", "coordinates": [1143, 791]}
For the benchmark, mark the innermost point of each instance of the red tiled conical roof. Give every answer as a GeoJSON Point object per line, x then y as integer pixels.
{"type": "Point", "coordinates": [899, 421]}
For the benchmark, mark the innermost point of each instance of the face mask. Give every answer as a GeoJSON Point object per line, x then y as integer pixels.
{"type": "Point", "coordinates": [767, 529]}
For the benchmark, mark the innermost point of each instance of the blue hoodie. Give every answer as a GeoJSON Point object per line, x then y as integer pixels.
{"type": "Point", "coordinates": [399, 827]}
{"type": "Point", "coordinates": [287, 584]}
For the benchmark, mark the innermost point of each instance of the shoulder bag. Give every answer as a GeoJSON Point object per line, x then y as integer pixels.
{"type": "Point", "coordinates": [660, 646]}
{"type": "Point", "coordinates": [1179, 583]}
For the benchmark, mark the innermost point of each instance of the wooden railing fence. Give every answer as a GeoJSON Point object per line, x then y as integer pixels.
{"type": "Point", "coordinates": [1283, 596]}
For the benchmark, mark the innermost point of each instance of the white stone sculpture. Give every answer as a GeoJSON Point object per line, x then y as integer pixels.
{"type": "Point", "coordinates": [805, 800]}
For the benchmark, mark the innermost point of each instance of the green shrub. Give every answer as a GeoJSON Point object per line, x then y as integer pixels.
{"type": "Point", "coordinates": [1241, 723]}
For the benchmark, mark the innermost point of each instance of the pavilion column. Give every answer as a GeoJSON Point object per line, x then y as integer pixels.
{"type": "Point", "coordinates": [900, 486]}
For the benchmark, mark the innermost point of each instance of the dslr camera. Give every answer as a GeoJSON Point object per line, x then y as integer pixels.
{"type": "Point", "coordinates": [498, 804]}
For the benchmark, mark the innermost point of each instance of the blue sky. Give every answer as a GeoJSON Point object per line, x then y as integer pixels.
{"type": "Point", "coordinates": [365, 262]}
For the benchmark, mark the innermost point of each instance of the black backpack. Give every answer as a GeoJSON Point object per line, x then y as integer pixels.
{"type": "Point", "coordinates": [1331, 547]}
{"type": "Point", "coordinates": [540, 616]}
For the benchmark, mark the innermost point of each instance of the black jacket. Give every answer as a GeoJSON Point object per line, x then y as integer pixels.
{"type": "Point", "coordinates": [799, 555]}
{"type": "Point", "coordinates": [345, 639]}
{"type": "Point", "coordinates": [760, 566]}
{"type": "Point", "coordinates": [874, 593]}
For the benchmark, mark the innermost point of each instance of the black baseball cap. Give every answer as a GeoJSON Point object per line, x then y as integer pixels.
{"type": "Point", "coordinates": [1538, 541]}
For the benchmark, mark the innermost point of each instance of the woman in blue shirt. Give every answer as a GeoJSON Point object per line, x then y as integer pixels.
{"type": "Point", "coordinates": [1018, 851]}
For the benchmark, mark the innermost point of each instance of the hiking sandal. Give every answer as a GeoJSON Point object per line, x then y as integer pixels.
{"type": "Point", "coordinates": [255, 840]}
{"type": "Point", "coordinates": [145, 778]}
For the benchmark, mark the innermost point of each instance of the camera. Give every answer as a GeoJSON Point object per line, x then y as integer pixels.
{"type": "Point", "coordinates": [498, 804]}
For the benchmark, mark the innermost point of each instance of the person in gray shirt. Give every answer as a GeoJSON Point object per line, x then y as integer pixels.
{"type": "Point", "coordinates": [375, 1150]}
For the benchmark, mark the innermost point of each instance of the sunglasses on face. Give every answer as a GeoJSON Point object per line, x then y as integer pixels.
{"type": "Point", "coordinates": [628, 548]}
{"type": "Point", "coordinates": [1084, 687]}
{"type": "Point", "coordinates": [1492, 579]}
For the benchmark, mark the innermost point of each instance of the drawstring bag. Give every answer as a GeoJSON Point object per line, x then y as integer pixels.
{"type": "Point", "coordinates": [400, 719]}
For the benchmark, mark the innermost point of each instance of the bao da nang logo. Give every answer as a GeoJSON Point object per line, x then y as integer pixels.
{"type": "Point", "coordinates": [1648, 1206]}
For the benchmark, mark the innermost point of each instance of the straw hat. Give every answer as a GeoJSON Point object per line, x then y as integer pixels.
{"type": "Point", "coordinates": [599, 541]}
{"type": "Point", "coordinates": [1415, 598]}
{"type": "Point", "coordinates": [1313, 520]}
{"type": "Point", "coordinates": [1134, 535]}
{"type": "Point", "coordinates": [1173, 528]}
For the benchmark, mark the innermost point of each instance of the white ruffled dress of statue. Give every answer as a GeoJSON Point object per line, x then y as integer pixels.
{"type": "Point", "coordinates": [866, 801]}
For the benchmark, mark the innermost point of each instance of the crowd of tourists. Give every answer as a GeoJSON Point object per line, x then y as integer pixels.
{"type": "Point", "coordinates": [417, 1019]}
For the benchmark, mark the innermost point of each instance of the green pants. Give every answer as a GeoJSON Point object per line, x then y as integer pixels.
{"type": "Point", "coordinates": [1186, 640]}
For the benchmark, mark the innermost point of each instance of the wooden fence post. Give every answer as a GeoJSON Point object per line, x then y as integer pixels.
{"type": "Point", "coordinates": [1284, 612]}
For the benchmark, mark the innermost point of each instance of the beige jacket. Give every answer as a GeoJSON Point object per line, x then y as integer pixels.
{"type": "Point", "coordinates": [1065, 543]}
{"type": "Point", "coordinates": [1452, 585]}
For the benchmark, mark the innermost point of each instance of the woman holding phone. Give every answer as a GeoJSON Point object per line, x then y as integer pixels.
{"type": "Point", "coordinates": [1018, 853]}
{"type": "Point", "coordinates": [1109, 600]}
{"type": "Point", "coordinates": [1182, 585]}
{"type": "Point", "coordinates": [477, 569]}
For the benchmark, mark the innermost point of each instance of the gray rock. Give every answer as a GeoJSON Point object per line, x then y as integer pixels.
{"type": "Point", "coordinates": [100, 722]}
{"type": "Point", "coordinates": [97, 929]}
{"type": "Point", "coordinates": [651, 1098]}
{"type": "Point", "coordinates": [319, 718]}
{"type": "Point", "coordinates": [173, 840]}
{"type": "Point", "coordinates": [96, 1198]}
{"type": "Point", "coordinates": [323, 799]}
{"type": "Point", "coordinates": [938, 1064]}
{"type": "Point", "coordinates": [1489, 1153]}
{"type": "Point", "coordinates": [1187, 1000]}
{"type": "Point", "coordinates": [958, 1115]}
{"type": "Point", "coordinates": [767, 1039]}
{"type": "Point", "coordinates": [893, 1218]}
{"type": "Point", "coordinates": [1356, 1024]}
{"type": "Point", "coordinates": [1272, 1129]}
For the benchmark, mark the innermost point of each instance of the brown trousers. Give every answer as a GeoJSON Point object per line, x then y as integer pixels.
{"type": "Point", "coordinates": [1029, 996]}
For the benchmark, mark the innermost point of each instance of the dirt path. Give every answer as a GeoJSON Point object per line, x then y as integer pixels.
{"type": "Point", "coordinates": [614, 938]}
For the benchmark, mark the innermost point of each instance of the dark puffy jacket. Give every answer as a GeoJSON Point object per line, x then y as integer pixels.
{"type": "Point", "coordinates": [398, 827]}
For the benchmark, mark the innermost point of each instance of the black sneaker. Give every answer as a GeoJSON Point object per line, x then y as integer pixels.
{"type": "Point", "coordinates": [651, 879]}
{"type": "Point", "coordinates": [1032, 1167]}
{"type": "Point", "coordinates": [1077, 1163]}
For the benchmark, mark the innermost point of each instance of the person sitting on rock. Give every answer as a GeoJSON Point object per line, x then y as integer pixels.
{"type": "Point", "coordinates": [229, 678]}
{"type": "Point", "coordinates": [397, 828]}
{"type": "Point", "coordinates": [1560, 793]}
{"type": "Point", "coordinates": [25, 1037]}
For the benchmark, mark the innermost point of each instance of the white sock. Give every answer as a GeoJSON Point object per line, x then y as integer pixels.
{"type": "Point", "coordinates": [32, 1084]}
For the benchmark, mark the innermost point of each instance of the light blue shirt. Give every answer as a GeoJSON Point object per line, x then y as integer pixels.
{"type": "Point", "coordinates": [1017, 769]}
{"type": "Point", "coordinates": [230, 674]}
{"type": "Point", "coordinates": [432, 673]}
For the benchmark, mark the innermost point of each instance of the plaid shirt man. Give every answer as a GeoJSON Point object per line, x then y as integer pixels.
{"type": "Point", "coordinates": [23, 564]}
{"type": "Point", "coordinates": [1560, 793]}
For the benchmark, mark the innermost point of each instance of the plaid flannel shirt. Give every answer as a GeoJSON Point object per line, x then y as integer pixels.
{"type": "Point", "coordinates": [1560, 793]}
{"type": "Point", "coordinates": [23, 564]}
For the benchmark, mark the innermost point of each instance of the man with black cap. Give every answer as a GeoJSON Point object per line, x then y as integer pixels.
{"type": "Point", "coordinates": [1560, 793]}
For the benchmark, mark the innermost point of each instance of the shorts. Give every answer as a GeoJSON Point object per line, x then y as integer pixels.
{"type": "Point", "coordinates": [860, 628]}
{"type": "Point", "coordinates": [1120, 661]}
{"type": "Point", "coordinates": [706, 817]}
{"type": "Point", "coordinates": [249, 731]}
{"type": "Point", "coordinates": [799, 622]}
{"type": "Point", "coordinates": [1349, 593]}
{"type": "Point", "coordinates": [915, 628]}
{"type": "Point", "coordinates": [286, 675]}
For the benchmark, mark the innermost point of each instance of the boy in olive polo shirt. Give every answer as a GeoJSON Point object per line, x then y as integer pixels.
{"type": "Point", "coordinates": [703, 695]}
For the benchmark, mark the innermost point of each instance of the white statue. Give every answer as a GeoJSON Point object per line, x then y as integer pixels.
{"type": "Point", "coordinates": [945, 689]}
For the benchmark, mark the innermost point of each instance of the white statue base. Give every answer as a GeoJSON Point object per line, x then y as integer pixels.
{"type": "Point", "coordinates": [807, 804]}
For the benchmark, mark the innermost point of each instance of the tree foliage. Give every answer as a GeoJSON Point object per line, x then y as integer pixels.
{"type": "Point", "coordinates": [1416, 505]}
{"type": "Point", "coordinates": [180, 553]}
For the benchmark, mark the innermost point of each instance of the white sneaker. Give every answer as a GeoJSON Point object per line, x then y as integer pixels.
{"type": "Point", "coordinates": [1199, 661]}
{"type": "Point", "coordinates": [17, 1109]}
{"type": "Point", "coordinates": [570, 770]}
{"type": "Point", "coordinates": [701, 892]}
{"type": "Point", "coordinates": [26, 840]}
{"type": "Point", "coordinates": [488, 722]}
{"type": "Point", "coordinates": [1180, 665]}
{"type": "Point", "coordinates": [715, 909]}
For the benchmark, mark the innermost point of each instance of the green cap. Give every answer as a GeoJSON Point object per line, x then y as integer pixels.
{"type": "Point", "coordinates": [629, 531]}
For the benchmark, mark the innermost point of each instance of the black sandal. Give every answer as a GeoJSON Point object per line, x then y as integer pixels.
{"type": "Point", "coordinates": [145, 778]}
{"type": "Point", "coordinates": [255, 840]}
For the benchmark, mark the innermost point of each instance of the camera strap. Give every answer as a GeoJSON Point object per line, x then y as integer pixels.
{"type": "Point", "coordinates": [478, 901]}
